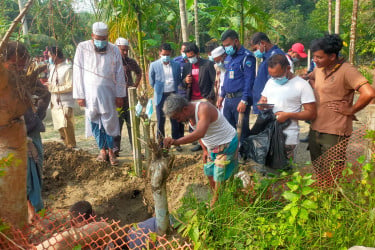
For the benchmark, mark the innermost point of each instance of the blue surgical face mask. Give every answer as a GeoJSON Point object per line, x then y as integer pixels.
{"type": "Point", "coordinates": [258, 53]}
{"type": "Point", "coordinates": [280, 80]}
{"type": "Point", "coordinates": [193, 60]}
{"type": "Point", "coordinates": [165, 58]}
{"type": "Point", "coordinates": [211, 58]}
{"type": "Point", "coordinates": [184, 56]}
{"type": "Point", "coordinates": [100, 44]}
{"type": "Point", "coordinates": [220, 64]}
{"type": "Point", "coordinates": [50, 60]}
{"type": "Point", "coordinates": [230, 50]}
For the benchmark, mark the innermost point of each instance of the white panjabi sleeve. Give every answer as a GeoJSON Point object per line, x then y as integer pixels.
{"type": "Point", "coordinates": [78, 73]}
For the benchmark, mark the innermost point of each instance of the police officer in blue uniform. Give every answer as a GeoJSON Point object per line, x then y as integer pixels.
{"type": "Point", "coordinates": [262, 48]}
{"type": "Point", "coordinates": [238, 81]}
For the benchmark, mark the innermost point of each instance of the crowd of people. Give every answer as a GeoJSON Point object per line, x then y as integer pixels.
{"type": "Point", "coordinates": [209, 94]}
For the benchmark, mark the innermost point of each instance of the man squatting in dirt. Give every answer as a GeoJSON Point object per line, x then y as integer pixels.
{"type": "Point", "coordinates": [218, 138]}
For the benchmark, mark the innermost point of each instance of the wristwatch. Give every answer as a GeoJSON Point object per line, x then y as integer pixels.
{"type": "Point", "coordinates": [244, 102]}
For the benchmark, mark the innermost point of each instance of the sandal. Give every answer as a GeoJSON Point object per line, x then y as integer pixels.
{"type": "Point", "coordinates": [113, 160]}
{"type": "Point", "coordinates": [102, 157]}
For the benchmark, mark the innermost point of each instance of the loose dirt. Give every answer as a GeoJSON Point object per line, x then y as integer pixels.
{"type": "Point", "coordinates": [71, 175]}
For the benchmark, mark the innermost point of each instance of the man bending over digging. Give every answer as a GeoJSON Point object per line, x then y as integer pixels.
{"type": "Point", "coordinates": [217, 137]}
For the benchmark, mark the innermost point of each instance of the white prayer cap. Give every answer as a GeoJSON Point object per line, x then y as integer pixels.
{"type": "Point", "coordinates": [217, 52]}
{"type": "Point", "coordinates": [122, 41]}
{"type": "Point", "coordinates": [100, 29]}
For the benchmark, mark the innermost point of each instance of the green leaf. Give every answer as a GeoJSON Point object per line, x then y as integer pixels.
{"type": "Point", "coordinates": [303, 214]}
{"type": "Point", "coordinates": [361, 159]}
{"type": "Point", "coordinates": [290, 196]}
{"type": "Point", "coordinates": [292, 186]}
{"type": "Point", "coordinates": [307, 190]}
{"type": "Point", "coordinates": [309, 204]}
{"type": "Point", "coordinates": [309, 182]}
{"type": "Point", "coordinates": [153, 237]}
{"type": "Point", "coordinates": [294, 211]}
{"type": "Point", "coordinates": [78, 247]}
{"type": "Point", "coordinates": [288, 207]}
{"type": "Point", "coordinates": [367, 167]}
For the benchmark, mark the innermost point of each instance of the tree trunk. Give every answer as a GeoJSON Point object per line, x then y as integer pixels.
{"type": "Point", "coordinates": [242, 22]}
{"type": "Point", "coordinates": [337, 17]}
{"type": "Point", "coordinates": [183, 17]}
{"type": "Point", "coordinates": [330, 16]}
{"type": "Point", "coordinates": [160, 168]}
{"type": "Point", "coordinates": [144, 98]}
{"type": "Point", "coordinates": [353, 30]}
{"type": "Point", "coordinates": [12, 141]}
{"type": "Point", "coordinates": [196, 22]}
{"type": "Point", "coordinates": [25, 29]}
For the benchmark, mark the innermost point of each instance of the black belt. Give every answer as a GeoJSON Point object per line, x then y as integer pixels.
{"type": "Point", "coordinates": [233, 95]}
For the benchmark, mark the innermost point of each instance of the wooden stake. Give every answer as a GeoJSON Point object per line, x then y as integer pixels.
{"type": "Point", "coordinates": [137, 156]}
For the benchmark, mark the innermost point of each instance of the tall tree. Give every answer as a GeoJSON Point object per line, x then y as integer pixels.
{"type": "Point", "coordinates": [353, 30]}
{"type": "Point", "coordinates": [240, 15]}
{"type": "Point", "coordinates": [183, 17]}
{"type": "Point", "coordinates": [330, 16]}
{"type": "Point", "coordinates": [196, 22]}
{"type": "Point", "coordinates": [337, 17]}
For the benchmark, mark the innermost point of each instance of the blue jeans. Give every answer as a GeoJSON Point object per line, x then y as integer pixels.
{"type": "Point", "coordinates": [231, 114]}
{"type": "Point", "coordinates": [103, 140]}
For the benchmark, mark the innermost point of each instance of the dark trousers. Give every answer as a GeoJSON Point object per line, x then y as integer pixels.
{"type": "Point", "coordinates": [231, 114]}
{"type": "Point", "coordinates": [330, 166]}
{"type": "Point", "coordinates": [123, 116]}
{"type": "Point", "coordinates": [176, 126]}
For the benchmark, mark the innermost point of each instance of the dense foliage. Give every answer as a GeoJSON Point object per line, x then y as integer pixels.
{"type": "Point", "coordinates": [285, 21]}
{"type": "Point", "coordinates": [297, 215]}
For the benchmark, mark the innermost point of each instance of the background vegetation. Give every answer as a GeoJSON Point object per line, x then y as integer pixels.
{"type": "Point", "coordinates": [285, 21]}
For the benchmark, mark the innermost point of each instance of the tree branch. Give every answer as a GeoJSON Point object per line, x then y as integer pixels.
{"type": "Point", "coordinates": [14, 24]}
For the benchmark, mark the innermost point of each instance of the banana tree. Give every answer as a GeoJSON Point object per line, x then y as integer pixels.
{"type": "Point", "coordinates": [240, 15]}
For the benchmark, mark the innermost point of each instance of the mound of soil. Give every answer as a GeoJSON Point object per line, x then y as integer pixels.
{"type": "Point", "coordinates": [71, 175]}
{"type": "Point", "coordinates": [63, 165]}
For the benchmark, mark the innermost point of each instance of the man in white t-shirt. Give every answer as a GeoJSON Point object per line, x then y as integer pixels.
{"type": "Point", "coordinates": [288, 93]}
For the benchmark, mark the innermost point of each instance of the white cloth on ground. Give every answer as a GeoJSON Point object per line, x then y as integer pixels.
{"type": "Point", "coordinates": [289, 98]}
{"type": "Point", "coordinates": [99, 78]}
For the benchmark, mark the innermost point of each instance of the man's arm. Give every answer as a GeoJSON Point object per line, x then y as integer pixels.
{"type": "Point", "coordinates": [66, 86]}
{"type": "Point", "coordinates": [308, 113]}
{"type": "Point", "coordinates": [138, 74]}
{"type": "Point", "coordinates": [366, 94]}
{"type": "Point", "coordinates": [249, 72]}
{"type": "Point", "coordinates": [78, 86]}
{"type": "Point", "coordinates": [249, 76]}
{"type": "Point", "coordinates": [151, 75]}
{"type": "Point", "coordinates": [120, 75]}
{"type": "Point", "coordinates": [206, 114]}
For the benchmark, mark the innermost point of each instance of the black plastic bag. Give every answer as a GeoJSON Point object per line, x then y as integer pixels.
{"type": "Point", "coordinates": [256, 146]}
{"type": "Point", "coordinates": [264, 119]}
{"type": "Point", "coordinates": [266, 144]}
{"type": "Point", "coordinates": [277, 158]}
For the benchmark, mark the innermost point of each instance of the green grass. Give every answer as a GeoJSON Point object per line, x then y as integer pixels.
{"type": "Point", "coordinates": [301, 217]}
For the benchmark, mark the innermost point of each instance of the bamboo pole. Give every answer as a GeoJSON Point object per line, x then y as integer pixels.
{"type": "Point", "coordinates": [137, 156]}
{"type": "Point", "coordinates": [14, 24]}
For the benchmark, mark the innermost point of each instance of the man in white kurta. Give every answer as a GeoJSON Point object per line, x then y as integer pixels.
{"type": "Point", "coordinates": [99, 86]}
{"type": "Point", "coordinates": [61, 88]}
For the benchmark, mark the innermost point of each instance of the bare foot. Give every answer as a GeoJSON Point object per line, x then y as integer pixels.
{"type": "Point", "coordinates": [31, 212]}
